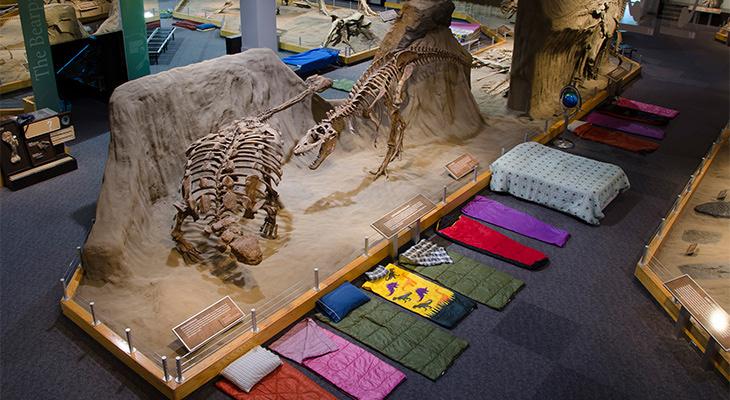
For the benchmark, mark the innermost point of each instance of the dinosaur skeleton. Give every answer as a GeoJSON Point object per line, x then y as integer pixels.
{"type": "Point", "coordinates": [232, 170]}
{"type": "Point", "coordinates": [343, 29]}
{"type": "Point", "coordinates": [508, 8]}
{"type": "Point", "coordinates": [362, 6]}
{"type": "Point", "coordinates": [385, 80]}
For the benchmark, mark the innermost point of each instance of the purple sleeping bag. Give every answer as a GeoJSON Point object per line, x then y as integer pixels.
{"type": "Point", "coordinates": [607, 121]}
{"type": "Point", "coordinates": [498, 214]}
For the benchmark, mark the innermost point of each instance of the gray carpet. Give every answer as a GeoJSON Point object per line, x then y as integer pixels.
{"type": "Point", "coordinates": [582, 327]}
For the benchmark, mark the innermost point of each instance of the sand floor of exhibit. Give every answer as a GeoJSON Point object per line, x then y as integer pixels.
{"type": "Point", "coordinates": [323, 225]}
{"type": "Point", "coordinates": [710, 265]}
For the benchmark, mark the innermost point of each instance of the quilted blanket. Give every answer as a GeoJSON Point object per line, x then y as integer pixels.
{"type": "Point", "coordinates": [403, 337]}
{"type": "Point", "coordinates": [423, 297]}
{"type": "Point", "coordinates": [572, 184]}
{"type": "Point", "coordinates": [473, 279]}
{"type": "Point", "coordinates": [346, 365]}
{"type": "Point", "coordinates": [285, 383]}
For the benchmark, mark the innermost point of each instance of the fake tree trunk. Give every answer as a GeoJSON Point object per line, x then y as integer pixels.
{"type": "Point", "coordinates": [556, 43]}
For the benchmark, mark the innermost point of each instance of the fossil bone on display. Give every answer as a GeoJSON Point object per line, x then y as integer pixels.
{"type": "Point", "coordinates": [556, 43]}
{"type": "Point", "coordinates": [231, 172]}
{"type": "Point", "coordinates": [385, 80]}
{"type": "Point", "coordinates": [343, 29]}
{"type": "Point", "coordinates": [362, 7]}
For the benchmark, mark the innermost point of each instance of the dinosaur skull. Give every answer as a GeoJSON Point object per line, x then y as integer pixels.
{"type": "Point", "coordinates": [323, 135]}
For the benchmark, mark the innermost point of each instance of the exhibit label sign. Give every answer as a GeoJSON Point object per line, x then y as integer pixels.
{"type": "Point", "coordinates": [403, 216]}
{"type": "Point", "coordinates": [702, 307]}
{"type": "Point", "coordinates": [464, 164]}
{"type": "Point", "coordinates": [205, 325]}
{"type": "Point", "coordinates": [388, 15]}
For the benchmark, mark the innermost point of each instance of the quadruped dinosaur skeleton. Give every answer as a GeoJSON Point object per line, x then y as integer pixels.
{"type": "Point", "coordinates": [384, 80]}
{"type": "Point", "coordinates": [234, 170]}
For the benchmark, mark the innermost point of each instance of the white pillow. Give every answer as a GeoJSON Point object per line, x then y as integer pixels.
{"type": "Point", "coordinates": [251, 368]}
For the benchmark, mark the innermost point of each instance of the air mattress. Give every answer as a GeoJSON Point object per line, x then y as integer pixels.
{"type": "Point", "coordinates": [402, 337]}
{"type": "Point", "coordinates": [646, 107]}
{"type": "Point", "coordinates": [613, 138]}
{"type": "Point", "coordinates": [636, 128]}
{"type": "Point", "coordinates": [496, 213]}
{"type": "Point", "coordinates": [423, 297]}
{"type": "Point", "coordinates": [469, 233]}
{"type": "Point", "coordinates": [473, 279]}
{"type": "Point", "coordinates": [285, 383]}
{"type": "Point", "coordinates": [346, 365]}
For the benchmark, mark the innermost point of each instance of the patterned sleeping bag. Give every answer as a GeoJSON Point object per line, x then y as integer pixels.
{"type": "Point", "coordinates": [473, 279]}
{"type": "Point", "coordinates": [421, 296]}
{"type": "Point", "coordinates": [403, 337]}
{"type": "Point", "coordinates": [346, 365]}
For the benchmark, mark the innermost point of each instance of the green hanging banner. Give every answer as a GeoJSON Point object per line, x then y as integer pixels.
{"type": "Point", "coordinates": [38, 50]}
{"type": "Point", "coordinates": [135, 38]}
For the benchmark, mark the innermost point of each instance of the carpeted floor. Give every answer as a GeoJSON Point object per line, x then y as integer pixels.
{"type": "Point", "coordinates": [582, 328]}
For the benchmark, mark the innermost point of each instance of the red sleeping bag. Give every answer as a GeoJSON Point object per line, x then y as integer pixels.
{"type": "Point", "coordinates": [469, 233]}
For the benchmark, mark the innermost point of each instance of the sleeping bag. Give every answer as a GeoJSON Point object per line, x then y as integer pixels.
{"type": "Point", "coordinates": [346, 365]}
{"type": "Point", "coordinates": [496, 213]}
{"type": "Point", "coordinates": [633, 114]}
{"type": "Point", "coordinates": [623, 125]}
{"type": "Point", "coordinates": [421, 296]}
{"type": "Point", "coordinates": [469, 233]}
{"type": "Point", "coordinates": [402, 337]}
{"type": "Point", "coordinates": [614, 138]}
{"type": "Point", "coordinates": [471, 278]}
{"type": "Point", "coordinates": [646, 107]}
{"type": "Point", "coordinates": [285, 383]}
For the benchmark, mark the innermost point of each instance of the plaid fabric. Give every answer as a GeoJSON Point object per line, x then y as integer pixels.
{"type": "Point", "coordinates": [377, 273]}
{"type": "Point", "coordinates": [427, 254]}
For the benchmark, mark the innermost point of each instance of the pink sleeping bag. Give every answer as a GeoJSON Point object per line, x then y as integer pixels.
{"type": "Point", "coordinates": [351, 368]}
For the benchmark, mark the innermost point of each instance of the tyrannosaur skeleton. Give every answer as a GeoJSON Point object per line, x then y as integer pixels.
{"type": "Point", "coordinates": [234, 170]}
{"type": "Point", "coordinates": [384, 80]}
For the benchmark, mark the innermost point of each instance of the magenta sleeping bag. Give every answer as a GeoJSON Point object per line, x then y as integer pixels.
{"type": "Point", "coordinates": [637, 128]}
{"type": "Point", "coordinates": [646, 107]}
{"type": "Point", "coordinates": [346, 365]}
{"type": "Point", "coordinates": [508, 218]}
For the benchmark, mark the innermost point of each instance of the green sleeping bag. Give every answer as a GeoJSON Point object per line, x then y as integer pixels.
{"type": "Point", "coordinates": [472, 279]}
{"type": "Point", "coordinates": [403, 337]}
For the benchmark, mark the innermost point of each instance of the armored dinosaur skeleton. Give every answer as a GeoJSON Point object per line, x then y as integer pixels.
{"type": "Point", "coordinates": [384, 80]}
{"type": "Point", "coordinates": [232, 171]}
{"type": "Point", "coordinates": [362, 6]}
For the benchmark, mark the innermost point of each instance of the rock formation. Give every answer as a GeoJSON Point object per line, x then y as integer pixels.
{"type": "Point", "coordinates": [557, 42]}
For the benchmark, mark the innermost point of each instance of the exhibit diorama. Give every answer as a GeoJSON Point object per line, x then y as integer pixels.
{"type": "Point", "coordinates": [311, 199]}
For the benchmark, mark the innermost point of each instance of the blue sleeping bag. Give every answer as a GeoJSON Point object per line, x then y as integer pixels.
{"type": "Point", "coordinates": [312, 60]}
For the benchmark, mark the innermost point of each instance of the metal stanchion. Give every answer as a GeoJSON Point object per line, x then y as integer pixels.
{"type": "Point", "coordinates": [316, 279]}
{"type": "Point", "coordinates": [178, 368]}
{"type": "Point", "coordinates": [165, 373]}
{"type": "Point", "coordinates": [128, 332]}
{"type": "Point", "coordinates": [63, 287]}
{"type": "Point", "coordinates": [93, 314]}
{"type": "Point", "coordinates": [443, 196]}
{"type": "Point", "coordinates": [367, 246]}
{"type": "Point", "coordinates": [394, 247]}
{"type": "Point", "coordinates": [502, 150]}
{"type": "Point", "coordinates": [78, 250]}
{"type": "Point", "coordinates": [476, 174]}
{"type": "Point", "coordinates": [254, 323]}
{"type": "Point", "coordinates": [643, 259]}
{"type": "Point", "coordinates": [417, 231]}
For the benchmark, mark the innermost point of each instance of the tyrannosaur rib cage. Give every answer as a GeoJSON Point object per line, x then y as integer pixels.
{"type": "Point", "coordinates": [234, 171]}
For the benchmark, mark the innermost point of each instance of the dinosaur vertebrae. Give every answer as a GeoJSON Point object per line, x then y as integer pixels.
{"type": "Point", "coordinates": [227, 172]}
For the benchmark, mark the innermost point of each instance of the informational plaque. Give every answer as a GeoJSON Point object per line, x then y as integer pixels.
{"type": "Point", "coordinates": [403, 216]}
{"type": "Point", "coordinates": [464, 164]}
{"type": "Point", "coordinates": [713, 318]}
{"type": "Point", "coordinates": [205, 325]}
{"type": "Point", "coordinates": [388, 15]}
